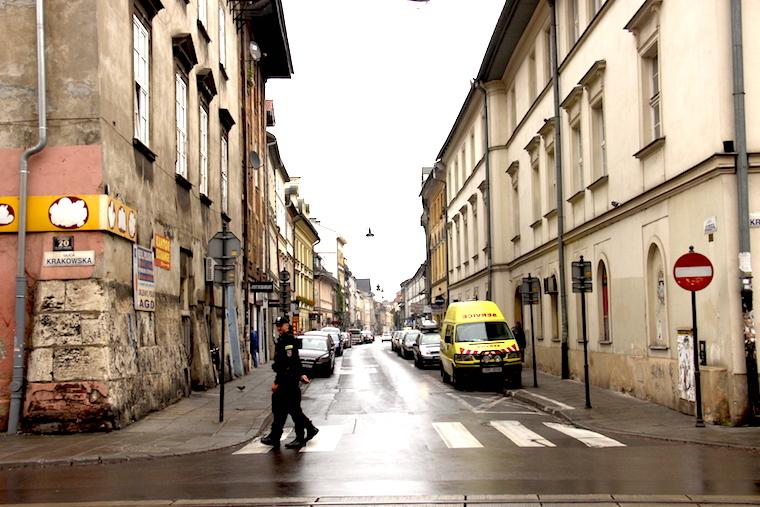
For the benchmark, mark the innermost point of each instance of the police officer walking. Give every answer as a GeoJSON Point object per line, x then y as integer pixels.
{"type": "Point", "coordinates": [286, 393]}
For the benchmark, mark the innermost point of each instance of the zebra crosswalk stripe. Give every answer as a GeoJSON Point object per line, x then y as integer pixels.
{"type": "Point", "coordinates": [256, 447]}
{"type": "Point", "coordinates": [456, 436]}
{"type": "Point", "coordinates": [520, 435]}
{"type": "Point", "coordinates": [590, 438]}
{"type": "Point", "coordinates": [326, 440]}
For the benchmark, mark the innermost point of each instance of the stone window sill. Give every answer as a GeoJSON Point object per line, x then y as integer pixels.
{"type": "Point", "coordinates": [577, 196]}
{"type": "Point", "coordinates": [659, 347]}
{"type": "Point", "coordinates": [599, 182]}
{"type": "Point", "coordinates": [142, 148]}
{"type": "Point", "coordinates": [605, 342]}
{"type": "Point", "coordinates": [650, 148]}
{"type": "Point", "coordinates": [183, 182]}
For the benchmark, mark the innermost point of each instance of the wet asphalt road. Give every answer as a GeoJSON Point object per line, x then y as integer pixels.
{"type": "Point", "coordinates": [387, 428]}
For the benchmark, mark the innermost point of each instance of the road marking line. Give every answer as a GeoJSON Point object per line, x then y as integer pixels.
{"type": "Point", "coordinates": [462, 401]}
{"type": "Point", "coordinates": [520, 435]}
{"type": "Point", "coordinates": [558, 403]}
{"type": "Point", "coordinates": [326, 440]}
{"type": "Point", "coordinates": [590, 438]}
{"type": "Point", "coordinates": [491, 404]}
{"type": "Point", "coordinates": [256, 447]}
{"type": "Point", "coordinates": [455, 435]}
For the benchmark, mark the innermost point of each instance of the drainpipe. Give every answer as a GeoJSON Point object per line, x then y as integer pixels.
{"type": "Point", "coordinates": [17, 384]}
{"type": "Point", "coordinates": [245, 159]}
{"type": "Point", "coordinates": [745, 260]}
{"type": "Point", "coordinates": [486, 145]}
{"type": "Point", "coordinates": [560, 193]}
{"type": "Point", "coordinates": [440, 166]}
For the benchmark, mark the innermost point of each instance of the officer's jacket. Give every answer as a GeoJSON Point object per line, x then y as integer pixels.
{"type": "Point", "coordinates": [287, 362]}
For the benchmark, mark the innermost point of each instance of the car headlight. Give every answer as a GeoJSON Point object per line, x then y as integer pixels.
{"type": "Point", "coordinates": [323, 359]}
{"type": "Point", "coordinates": [463, 357]}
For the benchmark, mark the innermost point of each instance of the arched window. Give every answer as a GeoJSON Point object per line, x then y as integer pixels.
{"type": "Point", "coordinates": [602, 280]}
{"type": "Point", "coordinates": [656, 299]}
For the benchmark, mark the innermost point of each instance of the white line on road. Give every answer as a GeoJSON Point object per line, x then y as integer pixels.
{"type": "Point", "coordinates": [590, 438]}
{"type": "Point", "coordinates": [558, 403]}
{"type": "Point", "coordinates": [520, 435]}
{"type": "Point", "coordinates": [256, 447]}
{"type": "Point", "coordinates": [455, 435]}
{"type": "Point", "coordinates": [326, 440]}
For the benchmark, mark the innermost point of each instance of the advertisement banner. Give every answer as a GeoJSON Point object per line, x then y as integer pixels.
{"type": "Point", "coordinates": [163, 252]}
{"type": "Point", "coordinates": [144, 279]}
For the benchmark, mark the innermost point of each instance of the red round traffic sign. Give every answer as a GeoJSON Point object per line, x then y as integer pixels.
{"type": "Point", "coordinates": [693, 271]}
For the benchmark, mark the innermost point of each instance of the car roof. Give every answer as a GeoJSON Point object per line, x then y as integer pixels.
{"type": "Point", "coordinates": [324, 334]}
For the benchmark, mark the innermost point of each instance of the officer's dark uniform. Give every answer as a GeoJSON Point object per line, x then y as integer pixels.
{"type": "Point", "coordinates": [287, 398]}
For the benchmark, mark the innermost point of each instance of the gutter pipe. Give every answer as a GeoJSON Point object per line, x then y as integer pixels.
{"type": "Point", "coordinates": [487, 155]}
{"type": "Point", "coordinates": [17, 383]}
{"type": "Point", "coordinates": [742, 185]}
{"type": "Point", "coordinates": [560, 193]}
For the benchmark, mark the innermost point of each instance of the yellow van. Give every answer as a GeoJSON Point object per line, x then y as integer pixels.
{"type": "Point", "coordinates": [476, 340]}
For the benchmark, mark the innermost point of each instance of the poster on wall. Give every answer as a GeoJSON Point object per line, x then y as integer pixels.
{"type": "Point", "coordinates": [143, 279]}
{"type": "Point", "coordinates": [685, 365]}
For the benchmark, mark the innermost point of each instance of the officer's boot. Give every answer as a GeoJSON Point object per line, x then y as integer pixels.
{"type": "Point", "coordinates": [271, 440]}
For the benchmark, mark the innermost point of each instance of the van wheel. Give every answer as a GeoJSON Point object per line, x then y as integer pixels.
{"type": "Point", "coordinates": [456, 381]}
{"type": "Point", "coordinates": [445, 376]}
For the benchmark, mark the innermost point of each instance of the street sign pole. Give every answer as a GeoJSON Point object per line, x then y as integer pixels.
{"type": "Point", "coordinates": [533, 333]}
{"type": "Point", "coordinates": [582, 284]}
{"type": "Point", "coordinates": [693, 271]}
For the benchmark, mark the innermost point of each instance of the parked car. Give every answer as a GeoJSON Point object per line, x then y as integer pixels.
{"type": "Point", "coordinates": [356, 336]}
{"type": "Point", "coordinates": [317, 352]}
{"type": "Point", "coordinates": [427, 349]}
{"type": "Point", "coordinates": [335, 333]}
{"type": "Point", "coordinates": [386, 337]}
{"type": "Point", "coordinates": [367, 337]}
{"type": "Point", "coordinates": [407, 344]}
{"type": "Point", "coordinates": [346, 339]}
{"type": "Point", "coordinates": [394, 340]}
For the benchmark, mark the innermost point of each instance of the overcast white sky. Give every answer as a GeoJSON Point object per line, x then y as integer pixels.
{"type": "Point", "coordinates": [376, 88]}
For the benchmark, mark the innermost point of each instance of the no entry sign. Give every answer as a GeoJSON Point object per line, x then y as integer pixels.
{"type": "Point", "coordinates": [693, 271]}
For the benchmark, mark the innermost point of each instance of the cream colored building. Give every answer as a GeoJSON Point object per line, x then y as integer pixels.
{"type": "Point", "coordinates": [305, 237]}
{"type": "Point", "coordinates": [433, 219]}
{"type": "Point", "coordinates": [646, 129]}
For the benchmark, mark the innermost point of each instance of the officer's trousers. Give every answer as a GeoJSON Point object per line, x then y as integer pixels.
{"type": "Point", "coordinates": [286, 400]}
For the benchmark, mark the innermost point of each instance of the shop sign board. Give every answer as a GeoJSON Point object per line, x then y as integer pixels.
{"type": "Point", "coordinates": [163, 248]}
{"type": "Point", "coordinates": [143, 274]}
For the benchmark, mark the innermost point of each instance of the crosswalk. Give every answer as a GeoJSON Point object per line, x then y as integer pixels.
{"type": "Point", "coordinates": [454, 435]}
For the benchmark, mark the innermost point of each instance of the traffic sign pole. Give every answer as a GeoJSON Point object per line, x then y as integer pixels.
{"type": "Point", "coordinates": [693, 271]}
{"type": "Point", "coordinates": [582, 283]}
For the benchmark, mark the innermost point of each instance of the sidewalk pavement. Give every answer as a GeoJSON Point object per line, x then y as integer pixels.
{"type": "Point", "coordinates": [189, 426]}
{"type": "Point", "coordinates": [615, 412]}
{"type": "Point", "coordinates": [192, 425]}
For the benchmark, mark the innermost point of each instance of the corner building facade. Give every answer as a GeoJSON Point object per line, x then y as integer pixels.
{"type": "Point", "coordinates": [647, 170]}
{"type": "Point", "coordinates": [143, 113]}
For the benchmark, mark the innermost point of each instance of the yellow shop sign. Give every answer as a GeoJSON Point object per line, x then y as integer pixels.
{"type": "Point", "coordinates": [70, 213]}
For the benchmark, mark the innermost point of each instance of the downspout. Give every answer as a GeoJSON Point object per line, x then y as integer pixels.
{"type": "Point", "coordinates": [742, 184]}
{"type": "Point", "coordinates": [246, 196]}
{"type": "Point", "coordinates": [560, 192]}
{"type": "Point", "coordinates": [487, 155]}
{"type": "Point", "coordinates": [440, 166]}
{"type": "Point", "coordinates": [17, 384]}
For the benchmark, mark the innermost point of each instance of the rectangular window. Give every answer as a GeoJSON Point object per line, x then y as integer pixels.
{"type": "Point", "coordinates": [512, 109]}
{"type": "Point", "coordinates": [593, 7]}
{"type": "Point", "coordinates": [599, 140]}
{"type": "Point", "coordinates": [203, 12]}
{"type": "Point", "coordinates": [466, 237]}
{"type": "Point", "coordinates": [547, 54]}
{"type": "Point", "coordinates": [573, 23]}
{"type": "Point", "coordinates": [457, 182]}
{"type": "Point", "coordinates": [515, 206]}
{"type": "Point", "coordinates": [551, 180]}
{"type": "Point", "coordinates": [181, 120]}
{"type": "Point", "coordinates": [654, 93]}
{"type": "Point", "coordinates": [536, 185]}
{"type": "Point", "coordinates": [475, 227]}
{"type": "Point", "coordinates": [141, 41]}
{"type": "Point", "coordinates": [203, 185]}
{"type": "Point", "coordinates": [222, 37]}
{"type": "Point", "coordinates": [463, 165]}
{"type": "Point", "coordinates": [472, 149]}
{"type": "Point", "coordinates": [532, 79]}
{"type": "Point", "coordinates": [224, 183]}
{"type": "Point", "coordinates": [577, 157]}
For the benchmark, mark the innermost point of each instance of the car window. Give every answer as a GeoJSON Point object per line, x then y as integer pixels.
{"type": "Point", "coordinates": [314, 343]}
{"type": "Point", "coordinates": [429, 338]}
{"type": "Point", "coordinates": [483, 332]}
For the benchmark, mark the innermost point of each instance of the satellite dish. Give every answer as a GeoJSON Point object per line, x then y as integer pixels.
{"type": "Point", "coordinates": [369, 233]}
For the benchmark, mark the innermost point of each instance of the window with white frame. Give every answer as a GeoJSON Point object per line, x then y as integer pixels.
{"type": "Point", "coordinates": [224, 181]}
{"type": "Point", "coordinates": [141, 43]}
{"type": "Point", "coordinates": [475, 227]}
{"type": "Point", "coordinates": [651, 63]}
{"type": "Point", "coordinates": [456, 180]}
{"type": "Point", "coordinates": [463, 165]}
{"type": "Point", "coordinates": [512, 109]}
{"type": "Point", "coordinates": [180, 93]}
{"type": "Point", "coordinates": [532, 78]}
{"type": "Point", "coordinates": [576, 154]}
{"type": "Point", "coordinates": [594, 6]}
{"type": "Point", "coordinates": [472, 149]}
{"type": "Point", "coordinates": [515, 205]}
{"type": "Point", "coordinates": [598, 140]}
{"type": "Point", "coordinates": [551, 179]}
{"type": "Point", "coordinates": [222, 37]}
{"type": "Point", "coordinates": [573, 24]}
{"type": "Point", "coordinates": [535, 184]}
{"type": "Point", "coordinates": [203, 159]}
{"type": "Point", "coordinates": [465, 234]}
{"type": "Point", "coordinates": [547, 54]}
{"type": "Point", "coordinates": [203, 12]}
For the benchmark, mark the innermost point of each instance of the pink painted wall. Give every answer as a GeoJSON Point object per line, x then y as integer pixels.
{"type": "Point", "coordinates": [57, 170]}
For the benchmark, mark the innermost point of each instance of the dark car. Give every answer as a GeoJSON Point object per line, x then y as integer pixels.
{"type": "Point", "coordinates": [368, 337]}
{"type": "Point", "coordinates": [427, 349]}
{"type": "Point", "coordinates": [317, 353]}
{"type": "Point", "coordinates": [407, 342]}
